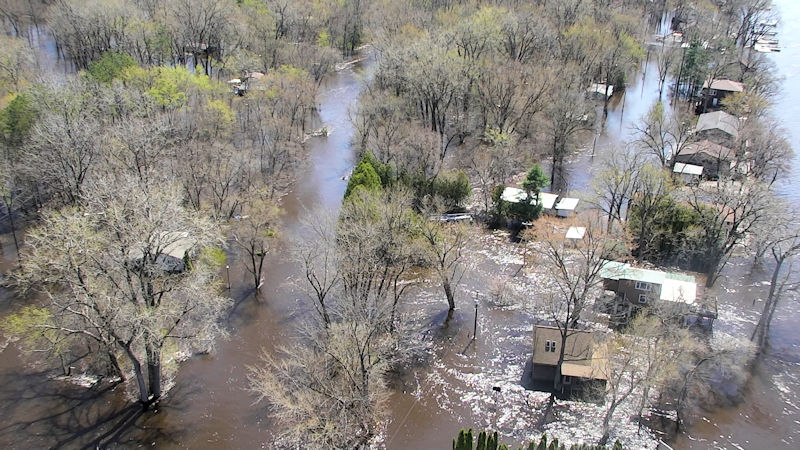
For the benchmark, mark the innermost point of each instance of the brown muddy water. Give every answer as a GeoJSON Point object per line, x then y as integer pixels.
{"type": "Point", "coordinates": [465, 382]}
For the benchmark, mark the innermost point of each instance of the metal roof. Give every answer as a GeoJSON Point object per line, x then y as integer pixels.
{"type": "Point", "coordinates": [688, 169]}
{"type": "Point", "coordinates": [567, 203]}
{"type": "Point", "coordinates": [675, 287]}
{"type": "Point", "coordinates": [547, 199]}
{"type": "Point", "coordinates": [516, 195]}
{"type": "Point", "coordinates": [674, 290]}
{"type": "Point", "coordinates": [576, 232]}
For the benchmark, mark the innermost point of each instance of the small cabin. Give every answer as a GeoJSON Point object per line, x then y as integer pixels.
{"type": "Point", "coordinates": [718, 127]}
{"type": "Point", "coordinates": [584, 363]}
{"type": "Point", "coordinates": [688, 173]}
{"type": "Point", "coordinates": [171, 250]}
{"type": "Point", "coordinates": [566, 207]}
{"type": "Point", "coordinates": [715, 92]}
{"type": "Point", "coordinates": [714, 159]}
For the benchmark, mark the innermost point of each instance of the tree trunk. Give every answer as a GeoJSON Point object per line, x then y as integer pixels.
{"type": "Point", "coordinates": [561, 350]}
{"type": "Point", "coordinates": [642, 404]}
{"type": "Point", "coordinates": [137, 370]}
{"type": "Point", "coordinates": [153, 371]}
{"type": "Point", "coordinates": [448, 291]}
{"type": "Point", "coordinates": [10, 207]}
{"type": "Point", "coordinates": [760, 333]}
{"type": "Point", "coordinates": [112, 358]}
{"type": "Point", "coordinates": [606, 423]}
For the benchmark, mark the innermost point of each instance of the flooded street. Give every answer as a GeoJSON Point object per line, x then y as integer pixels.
{"type": "Point", "coordinates": [465, 382]}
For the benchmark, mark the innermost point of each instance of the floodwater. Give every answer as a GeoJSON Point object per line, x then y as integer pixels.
{"type": "Point", "coordinates": [769, 414]}
{"type": "Point", "coordinates": [466, 382]}
{"type": "Point", "coordinates": [208, 406]}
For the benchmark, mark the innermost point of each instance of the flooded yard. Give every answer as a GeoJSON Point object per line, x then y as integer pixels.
{"type": "Point", "coordinates": [464, 380]}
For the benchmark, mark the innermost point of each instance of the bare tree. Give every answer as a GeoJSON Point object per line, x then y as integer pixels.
{"type": "Point", "coordinates": [663, 134]}
{"type": "Point", "coordinates": [65, 141]}
{"type": "Point", "coordinates": [321, 261]}
{"type": "Point", "coordinates": [568, 113]}
{"type": "Point", "coordinates": [255, 231]}
{"type": "Point", "coordinates": [723, 360]}
{"type": "Point", "coordinates": [666, 58]}
{"type": "Point", "coordinates": [329, 390]}
{"type": "Point", "coordinates": [574, 274]}
{"type": "Point", "coordinates": [660, 346]}
{"type": "Point", "coordinates": [728, 211]}
{"type": "Point", "coordinates": [512, 93]}
{"type": "Point", "coordinates": [614, 184]}
{"type": "Point", "coordinates": [767, 152]}
{"type": "Point", "coordinates": [652, 187]}
{"type": "Point", "coordinates": [376, 246]}
{"type": "Point", "coordinates": [15, 60]}
{"type": "Point", "coordinates": [445, 245]}
{"type": "Point", "coordinates": [623, 376]}
{"type": "Point", "coordinates": [783, 244]}
{"type": "Point", "coordinates": [114, 272]}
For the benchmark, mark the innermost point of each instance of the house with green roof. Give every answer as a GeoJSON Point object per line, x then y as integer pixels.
{"type": "Point", "coordinates": [635, 288]}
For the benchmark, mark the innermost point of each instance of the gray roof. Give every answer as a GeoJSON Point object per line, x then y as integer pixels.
{"type": "Point", "coordinates": [718, 120]}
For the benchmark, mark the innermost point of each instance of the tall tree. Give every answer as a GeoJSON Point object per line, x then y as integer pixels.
{"type": "Point", "coordinates": [255, 232]}
{"type": "Point", "coordinates": [728, 211]}
{"type": "Point", "coordinates": [783, 245]}
{"type": "Point", "coordinates": [124, 270]}
{"type": "Point", "coordinates": [445, 246]}
{"type": "Point", "coordinates": [568, 113]}
{"type": "Point", "coordinates": [663, 134]}
{"type": "Point", "coordinates": [613, 185]}
{"type": "Point", "coordinates": [575, 274]}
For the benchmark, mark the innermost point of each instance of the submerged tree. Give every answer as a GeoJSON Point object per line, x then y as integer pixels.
{"type": "Point", "coordinates": [329, 389]}
{"type": "Point", "coordinates": [663, 134]}
{"type": "Point", "coordinates": [255, 233]}
{"type": "Point", "coordinates": [123, 272]}
{"type": "Point", "coordinates": [613, 186]}
{"type": "Point", "coordinates": [728, 211]}
{"type": "Point", "coordinates": [782, 242]}
{"type": "Point", "coordinates": [445, 245]}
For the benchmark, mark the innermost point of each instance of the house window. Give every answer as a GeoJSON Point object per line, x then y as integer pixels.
{"type": "Point", "coordinates": [643, 286]}
{"type": "Point", "coordinates": [550, 346]}
{"type": "Point", "coordinates": [642, 298]}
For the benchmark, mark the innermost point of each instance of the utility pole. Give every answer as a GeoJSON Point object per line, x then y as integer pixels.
{"type": "Point", "coordinates": [475, 325]}
{"type": "Point", "coordinates": [228, 270]}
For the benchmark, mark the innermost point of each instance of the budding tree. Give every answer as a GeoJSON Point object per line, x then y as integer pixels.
{"type": "Point", "coordinates": [123, 271]}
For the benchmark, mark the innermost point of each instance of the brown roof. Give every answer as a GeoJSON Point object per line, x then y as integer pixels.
{"type": "Point", "coordinates": [709, 148]}
{"type": "Point", "coordinates": [582, 358]}
{"type": "Point", "coordinates": [725, 85]}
